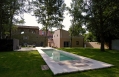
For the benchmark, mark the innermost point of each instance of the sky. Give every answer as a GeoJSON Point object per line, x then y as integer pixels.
{"type": "Point", "coordinates": [31, 20]}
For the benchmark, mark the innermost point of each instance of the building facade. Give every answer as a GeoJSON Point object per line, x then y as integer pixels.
{"type": "Point", "coordinates": [43, 33]}
{"type": "Point", "coordinates": [61, 38]}
{"type": "Point", "coordinates": [49, 36]}
{"type": "Point", "coordinates": [28, 35]}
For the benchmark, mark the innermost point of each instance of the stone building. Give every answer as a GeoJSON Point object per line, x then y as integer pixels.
{"type": "Point", "coordinates": [29, 35]}
{"type": "Point", "coordinates": [61, 38]}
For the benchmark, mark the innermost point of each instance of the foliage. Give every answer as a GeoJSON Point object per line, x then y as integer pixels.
{"type": "Point", "coordinates": [3, 18]}
{"type": "Point", "coordinates": [19, 21]}
{"type": "Point", "coordinates": [77, 30]}
{"type": "Point", "coordinates": [75, 13]}
{"type": "Point", "coordinates": [100, 18]}
{"type": "Point", "coordinates": [9, 8]}
{"type": "Point", "coordinates": [49, 13]}
{"type": "Point", "coordinates": [89, 37]}
{"type": "Point", "coordinates": [76, 21]}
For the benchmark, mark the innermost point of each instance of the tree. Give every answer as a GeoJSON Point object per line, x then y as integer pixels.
{"type": "Point", "coordinates": [4, 15]}
{"type": "Point", "coordinates": [100, 18]}
{"type": "Point", "coordinates": [9, 8]}
{"type": "Point", "coordinates": [89, 37]}
{"type": "Point", "coordinates": [77, 30]}
{"type": "Point", "coordinates": [76, 21]}
{"type": "Point", "coordinates": [49, 13]}
{"type": "Point", "coordinates": [16, 7]}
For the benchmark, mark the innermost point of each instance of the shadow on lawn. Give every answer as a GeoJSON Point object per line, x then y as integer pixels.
{"type": "Point", "coordinates": [28, 64]}
{"type": "Point", "coordinates": [108, 56]}
{"type": "Point", "coordinates": [21, 64]}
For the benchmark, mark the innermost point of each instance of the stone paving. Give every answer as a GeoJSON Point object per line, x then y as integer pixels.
{"type": "Point", "coordinates": [26, 49]}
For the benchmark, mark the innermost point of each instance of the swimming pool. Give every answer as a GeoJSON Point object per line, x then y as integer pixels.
{"type": "Point", "coordinates": [64, 62]}
{"type": "Point", "coordinates": [58, 56]}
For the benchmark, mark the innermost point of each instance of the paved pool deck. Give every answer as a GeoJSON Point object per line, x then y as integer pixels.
{"type": "Point", "coordinates": [26, 49]}
{"type": "Point", "coordinates": [69, 66]}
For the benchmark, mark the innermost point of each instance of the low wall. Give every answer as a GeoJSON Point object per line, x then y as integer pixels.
{"type": "Point", "coordinates": [94, 45]}
{"type": "Point", "coordinates": [115, 44]}
{"type": "Point", "coordinates": [9, 44]}
{"type": "Point", "coordinates": [15, 44]}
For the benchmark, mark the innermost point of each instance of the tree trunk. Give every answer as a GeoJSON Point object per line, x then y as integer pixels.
{"type": "Point", "coordinates": [71, 40]}
{"type": "Point", "coordinates": [10, 30]}
{"type": "Point", "coordinates": [0, 31]}
{"type": "Point", "coordinates": [102, 43]}
{"type": "Point", "coordinates": [101, 28]}
{"type": "Point", "coordinates": [72, 34]}
{"type": "Point", "coordinates": [110, 44]}
{"type": "Point", "coordinates": [12, 10]}
{"type": "Point", "coordinates": [0, 24]}
{"type": "Point", "coordinates": [45, 41]}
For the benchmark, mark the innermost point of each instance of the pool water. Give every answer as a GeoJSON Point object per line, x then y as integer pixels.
{"type": "Point", "coordinates": [57, 56]}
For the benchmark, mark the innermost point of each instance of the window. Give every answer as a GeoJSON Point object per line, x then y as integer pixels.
{"type": "Point", "coordinates": [42, 32]}
{"type": "Point", "coordinates": [41, 43]}
{"type": "Point", "coordinates": [22, 32]}
{"type": "Point", "coordinates": [66, 44]}
{"type": "Point", "coordinates": [25, 37]}
{"type": "Point", "coordinates": [32, 31]}
{"type": "Point", "coordinates": [29, 30]}
{"type": "Point", "coordinates": [77, 42]}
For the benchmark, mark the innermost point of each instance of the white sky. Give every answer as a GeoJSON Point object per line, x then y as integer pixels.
{"type": "Point", "coordinates": [31, 20]}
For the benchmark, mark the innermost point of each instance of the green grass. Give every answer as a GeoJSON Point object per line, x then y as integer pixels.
{"type": "Point", "coordinates": [22, 64]}
{"type": "Point", "coordinates": [28, 64]}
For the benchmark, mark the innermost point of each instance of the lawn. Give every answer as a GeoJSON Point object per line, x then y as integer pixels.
{"type": "Point", "coordinates": [28, 64]}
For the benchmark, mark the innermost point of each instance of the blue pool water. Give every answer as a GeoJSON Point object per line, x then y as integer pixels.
{"type": "Point", "coordinates": [57, 56]}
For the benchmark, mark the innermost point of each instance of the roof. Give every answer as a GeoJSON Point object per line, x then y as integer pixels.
{"type": "Point", "coordinates": [61, 29]}
{"type": "Point", "coordinates": [68, 32]}
{"type": "Point", "coordinates": [33, 27]}
{"type": "Point", "coordinates": [49, 33]}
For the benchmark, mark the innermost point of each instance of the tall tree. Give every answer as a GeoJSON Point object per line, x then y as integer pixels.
{"type": "Point", "coordinates": [100, 18]}
{"type": "Point", "coordinates": [49, 13]}
{"type": "Point", "coordinates": [89, 37]}
{"type": "Point", "coordinates": [16, 7]}
{"type": "Point", "coordinates": [10, 8]}
{"type": "Point", "coordinates": [77, 30]}
{"type": "Point", "coordinates": [75, 13]}
{"type": "Point", "coordinates": [4, 16]}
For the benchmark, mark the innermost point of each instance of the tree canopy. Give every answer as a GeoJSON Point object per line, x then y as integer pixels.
{"type": "Point", "coordinates": [49, 13]}
{"type": "Point", "coordinates": [102, 18]}
{"type": "Point", "coordinates": [76, 21]}
{"type": "Point", "coordinates": [9, 9]}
